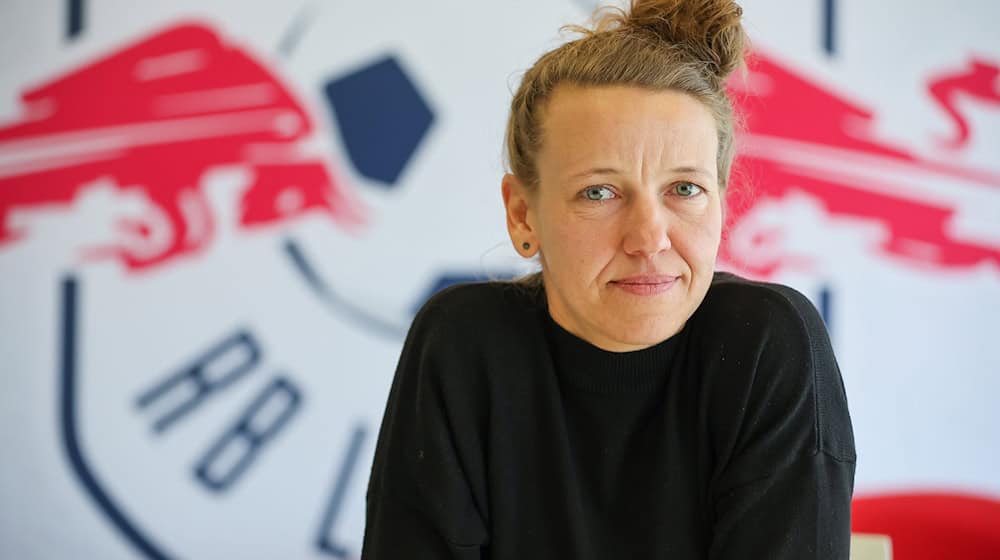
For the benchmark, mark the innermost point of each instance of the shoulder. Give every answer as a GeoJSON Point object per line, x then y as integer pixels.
{"type": "Point", "coordinates": [760, 318]}
{"type": "Point", "coordinates": [767, 343]}
{"type": "Point", "coordinates": [471, 320]}
{"type": "Point", "coordinates": [463, 340]}
{"type": "Point", "coordinates": [762, 307]}
{"type": "Point", "coordinates": [762, 323]}
{"type": "Point", "coordinates": [477, 303]}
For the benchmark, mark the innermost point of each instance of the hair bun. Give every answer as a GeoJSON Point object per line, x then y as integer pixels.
{"type": "Point", "coordinates": [709, 30]}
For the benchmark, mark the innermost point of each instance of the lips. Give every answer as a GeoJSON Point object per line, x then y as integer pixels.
{"type": "Point", "coordinates": [646, 284]}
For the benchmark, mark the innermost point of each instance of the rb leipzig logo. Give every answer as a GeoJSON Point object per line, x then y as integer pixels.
{"type": "Point", "coordinates": [133, 141]}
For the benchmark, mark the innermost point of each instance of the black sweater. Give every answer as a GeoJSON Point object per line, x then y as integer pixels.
{"type": "Point", "coordinates": [507, 437]}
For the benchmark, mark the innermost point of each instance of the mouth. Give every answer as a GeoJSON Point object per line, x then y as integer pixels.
{"type": "Point", "coordinates": [645, 285]}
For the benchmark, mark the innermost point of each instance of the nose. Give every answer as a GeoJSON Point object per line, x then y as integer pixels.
{"type": "Point", "coordinates": [646, 227]}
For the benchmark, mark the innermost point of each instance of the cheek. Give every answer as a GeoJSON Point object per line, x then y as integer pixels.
{"type": "Point", "coordinates": [706, 239]}
{"type": "Point", "coordinates": [578, 248]}
{"type": "Point", "coordinates": [697, 239]}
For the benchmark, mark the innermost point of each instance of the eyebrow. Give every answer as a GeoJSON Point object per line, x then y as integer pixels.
{"type": "Point", "coordinates": [612, 171]}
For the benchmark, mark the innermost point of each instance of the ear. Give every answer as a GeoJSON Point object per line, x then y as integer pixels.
{"type": "Point", "coordinates": [520, 215]}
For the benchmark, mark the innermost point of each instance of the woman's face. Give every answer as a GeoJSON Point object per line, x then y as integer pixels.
{"type": "Point", "coordinates": [627, 217]}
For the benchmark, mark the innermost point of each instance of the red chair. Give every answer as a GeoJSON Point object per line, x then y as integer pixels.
{"type": "Point", "coordinates": [932, 526]}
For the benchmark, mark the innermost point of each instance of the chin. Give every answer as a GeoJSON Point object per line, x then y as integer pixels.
{"type": "Point", "coordinates": [650, 334]}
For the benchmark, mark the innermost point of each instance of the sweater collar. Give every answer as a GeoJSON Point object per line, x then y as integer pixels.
{"type": "Point", "coordinates": [588, 367]}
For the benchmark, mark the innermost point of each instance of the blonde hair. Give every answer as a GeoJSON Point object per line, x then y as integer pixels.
{"type": "Point", "coordinates": [688, 46]}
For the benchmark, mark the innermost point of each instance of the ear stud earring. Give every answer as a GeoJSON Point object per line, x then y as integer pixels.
{"type": "Point", "coordinates": [526, 245]}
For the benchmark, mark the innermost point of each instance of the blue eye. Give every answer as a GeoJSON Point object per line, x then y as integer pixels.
{"type": "Point", "coordinates": [598, 192]}
{"type": "Point", "coordinates": [687, 189]}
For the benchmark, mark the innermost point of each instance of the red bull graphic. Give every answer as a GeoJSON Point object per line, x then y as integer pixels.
{"type": "Point", "coordinates": [979, 81]}
{"type": "Point", "coordinates": [154, 118]}
{"type": "Point", "coordinates": [803, 138]}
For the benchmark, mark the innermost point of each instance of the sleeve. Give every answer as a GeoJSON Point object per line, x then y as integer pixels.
{"type": "Point", "coordinates": [420, 503]}
{"type": "Point", "coordinates": [784, 489]}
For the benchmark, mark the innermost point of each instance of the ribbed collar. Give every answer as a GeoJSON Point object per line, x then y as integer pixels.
{"type": "Point", "coordinates": [588, 367]}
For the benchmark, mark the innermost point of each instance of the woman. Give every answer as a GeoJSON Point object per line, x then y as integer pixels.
{"type": "Point", "coordinates": [628, 401]}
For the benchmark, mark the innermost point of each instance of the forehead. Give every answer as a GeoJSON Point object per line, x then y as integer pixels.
{"type": "Point", "coordinates": [626, 124]}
